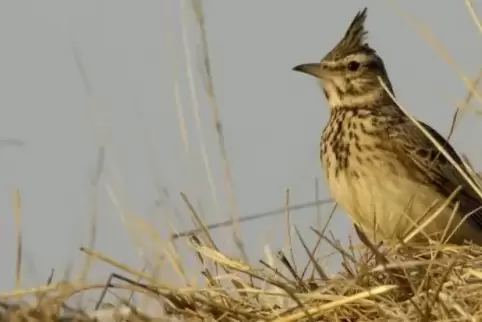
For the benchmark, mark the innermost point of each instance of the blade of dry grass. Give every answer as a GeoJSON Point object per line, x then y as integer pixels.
{"type": "Point", "coordinates": [320, 240]}
{"type": "Point", "coordinates": [88, 90]}
{"type": "Point", "coordinates": [465, 103]}
{"type": "Point", "coordinates": [195, 104]}
{"type": "Point", "coordinates": [199, 222]}
{"type": "Point", "coordinates": [18, 228]}
{"type": "Point", "coordinates": [124, 268]}
{"type": "Point", "coordinates": [312, 260]}
{"type": "Point", "coordinates": [209, 88]}
{"type": "Point", "coordinates": [316, 311]}
{"type": "Point", "coordinates": [428, 36]}
{"type": "Point", "coordinates": [473, 15]}
{"type": "Point", "coordinates": [432, 217]}
{"type": "Point", "coordinates": [288, 227]}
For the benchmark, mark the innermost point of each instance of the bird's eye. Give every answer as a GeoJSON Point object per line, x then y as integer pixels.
{"type": "Point", "coordinates": [353, 66]}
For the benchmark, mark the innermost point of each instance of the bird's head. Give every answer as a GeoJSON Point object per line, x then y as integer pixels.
{"type": "Point", "coordinates": [349, 72]}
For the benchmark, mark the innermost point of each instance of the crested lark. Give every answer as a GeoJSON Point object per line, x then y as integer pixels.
{"type": "Point", "coordinates": [385, 173]}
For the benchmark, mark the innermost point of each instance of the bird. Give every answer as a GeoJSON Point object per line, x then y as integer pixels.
{"type": "Point", "coordinates": [380, 167]}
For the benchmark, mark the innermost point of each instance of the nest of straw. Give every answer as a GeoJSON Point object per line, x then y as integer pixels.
{"type": "Point", "coordinates": [427, 283]}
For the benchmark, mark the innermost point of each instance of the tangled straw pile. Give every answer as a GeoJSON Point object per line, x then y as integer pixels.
{"type": "Point", "coordinates": [437, 283]}
{"type": "Point", "coordinates": [430, 283]}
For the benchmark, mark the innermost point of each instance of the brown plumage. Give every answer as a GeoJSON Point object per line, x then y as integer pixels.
{"type": "Point", "coordinates": [379, 166]}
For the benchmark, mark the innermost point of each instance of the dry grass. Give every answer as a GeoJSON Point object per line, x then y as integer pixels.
{"type": "Point", "coordinates": [417, 284]}
{"type": "Point", "coordinates": [436, 283]}
{"type": "Point", "coordinates": [425, 283]}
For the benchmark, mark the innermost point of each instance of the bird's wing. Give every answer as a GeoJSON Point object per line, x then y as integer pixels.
{"type": "Point", "coordinates": [415, 148]}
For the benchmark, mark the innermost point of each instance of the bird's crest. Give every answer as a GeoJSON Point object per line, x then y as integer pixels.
{"type": "Point", "coordinates": [354, 39]}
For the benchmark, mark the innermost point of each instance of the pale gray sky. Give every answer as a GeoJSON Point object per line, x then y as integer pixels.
{"type": "Point", "coordinates": [272, 117]}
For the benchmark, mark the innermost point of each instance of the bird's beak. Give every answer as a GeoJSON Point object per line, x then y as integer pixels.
{"type": "Point", "coordinates": [313, 69]}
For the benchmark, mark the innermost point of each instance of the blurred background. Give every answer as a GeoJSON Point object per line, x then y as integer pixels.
{"type": "Point", "coordinates": [106, 119]}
